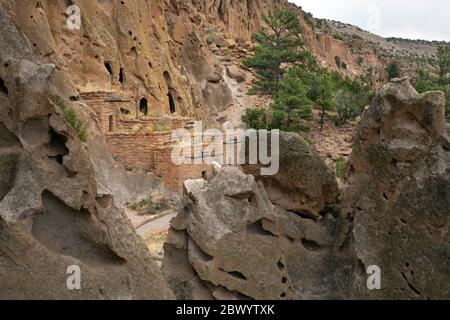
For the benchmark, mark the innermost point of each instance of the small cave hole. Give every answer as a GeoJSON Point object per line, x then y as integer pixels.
{"type": "Point", "coordinates": [235, 274]}
{"type": "Point", "coordinates": [304, 214]}
{"type": "Point", "coordinates": [257, 228]}
{"type": "Point", "coordinates": [171, 103]}
{"type": "Point", "coordinates": [57, 147]}
{"type": "Point", "coordinates": [108, 67]}
{"type": "Point", "coordinates": [111, 123]}
{"type": "Point", "coordinates": [122, 76]}
{"type": "Point", "coordinates": [311, 245]}
{"type": "Point", "coordinates": [143, 106]}
{"type": "Point", "coordinates": [284, 280]}
{"type": "Point", "coordinates": [385, 196]}
{"type": "Point", "coordinates": [3, 87]}
{"type": "Point", "coordinates": [280, 266]}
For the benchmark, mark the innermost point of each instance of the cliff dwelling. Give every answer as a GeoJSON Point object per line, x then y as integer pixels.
{"type": "Point", "coordinates": [125, 133]}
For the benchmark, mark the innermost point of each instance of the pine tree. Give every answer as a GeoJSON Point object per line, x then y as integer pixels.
{"type": "Point", "coordinates": [323, 95]}
{"type": "Point", "coordinates": [276, 45]}
{"type": "Point", "coordinates": [443, 55]}
{"type": "Point", "coordinates": [393, 70]}
{"type": "Point", "coordinates": [292, 102]}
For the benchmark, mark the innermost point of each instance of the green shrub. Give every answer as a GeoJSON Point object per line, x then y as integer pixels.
{"type": "Point", "coordinates": [71, 118]}
{"type": "Point", "coordinates": [339, 168]}
{"type": "Point", "coordinates": [147, 206]}
{"type": "Point", "coordinates": [255, 118]}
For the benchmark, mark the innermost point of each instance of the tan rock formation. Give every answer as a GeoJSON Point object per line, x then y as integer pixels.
{"type": "Point", "coordinates": [230, 239]}
{"type": "Point", "coordinates": [56, 205]}
{"type": "Point", "coordinates": [398, 191]}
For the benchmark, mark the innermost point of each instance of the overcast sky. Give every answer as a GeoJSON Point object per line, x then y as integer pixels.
{"type": "Point", "coordinates": [413, 19]}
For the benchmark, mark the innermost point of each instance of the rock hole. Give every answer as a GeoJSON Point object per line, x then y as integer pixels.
{"type": "Point", "coordinates": [235, 274]}
{"type": "Point", "coordinates": [304, 214]}
{"type": "Point", "coordinates": [122, 76]}
{"type": "Point", "coordinates": [311, 245]}
{"type": "Point", "coordinates": [3, 88]}
{"type": "Point", "coordinates": [283, 295]}
{"type": "Point", "coordinates": [111, 123]}
{"type": "Point", "coordinates": [385, 196]}
{"type": "Point", "coordinates": [257, 228]}
{"type": "Point", "coordinates": [108, 67]}
{"type": "Point", "coordinates": [57, 147]}
{"type": "Point", "coordinates": [171, 103]}
{"type": "Point", "coordinates": [403, 221]}
{"type": "Point", "coordinates": [281, 266]}
{"type": "Point", "coordinates": [68, 232]}
{"type": "Point", "coordinates": [143, 106]}
{"type": "Point", "coordinates": [284, 280]}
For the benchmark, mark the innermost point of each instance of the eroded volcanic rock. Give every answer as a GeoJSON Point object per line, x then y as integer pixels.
{"type": "Point", "coordinates": [398, 192]}
{"type": "Point", "coordinates": [54, 212]}
{"type": "Point", "coordinates": [232, 241]}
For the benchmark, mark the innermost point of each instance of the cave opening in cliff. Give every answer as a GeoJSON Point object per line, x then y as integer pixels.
{"type": "Point", "coordinates": [109, 69]}
{"type": "Point", "coordinates": [143, 106]}
{"type": "Point", "coordinates": [111, 123]}
{"type": "Point", "coordinates": [3, 87]}
{"type": "Point", "coordinates": [122, 76]}
{"type": "Point", "coordinates": [171, 103]}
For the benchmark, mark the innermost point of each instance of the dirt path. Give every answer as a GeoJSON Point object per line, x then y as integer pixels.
{"type": "Point", "coordinates": [156, 226]}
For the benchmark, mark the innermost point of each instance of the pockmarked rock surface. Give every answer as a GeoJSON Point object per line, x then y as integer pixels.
{"type": "Point", "coordinates": [55, 212]}
{"type": "Point", "coordinates": [398, 193]}
{"type": "Point", "coordinates": [231, 241]}
{"type": "Point", "coordinates": [303, 184]}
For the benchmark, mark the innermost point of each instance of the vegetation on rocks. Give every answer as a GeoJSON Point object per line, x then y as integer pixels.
{"type": "Point", "coordinates": [71, 118]}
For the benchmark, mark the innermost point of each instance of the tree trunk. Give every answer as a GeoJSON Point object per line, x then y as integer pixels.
{"type": "Point", "coordinates": [289, 120]}
{"type": "Point", "coordinates": [322, 118]}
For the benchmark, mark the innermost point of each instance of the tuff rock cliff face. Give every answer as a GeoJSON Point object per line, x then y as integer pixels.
{"type": "Point", "coordinates": [141, 48]}
{"type": "Point", "coordinates": [57, 209]}
{"type": "Point", "coordinates": [398, 191]}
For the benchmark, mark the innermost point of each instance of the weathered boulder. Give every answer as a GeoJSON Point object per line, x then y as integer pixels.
{"type": "Point", "coordinates": [236, 73]}
{"type": "Point", "coordinates": [54, 212]}
{"type": "Point", "coordinates": [304, 184]}
{"type": "Point", "coordinates": [231, 241]}
{"type": "Point", "coordinates": [398, 193]}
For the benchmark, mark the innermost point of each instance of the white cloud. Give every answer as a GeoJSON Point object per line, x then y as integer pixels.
{"type": "Point", "coordinates": [413, 19]}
